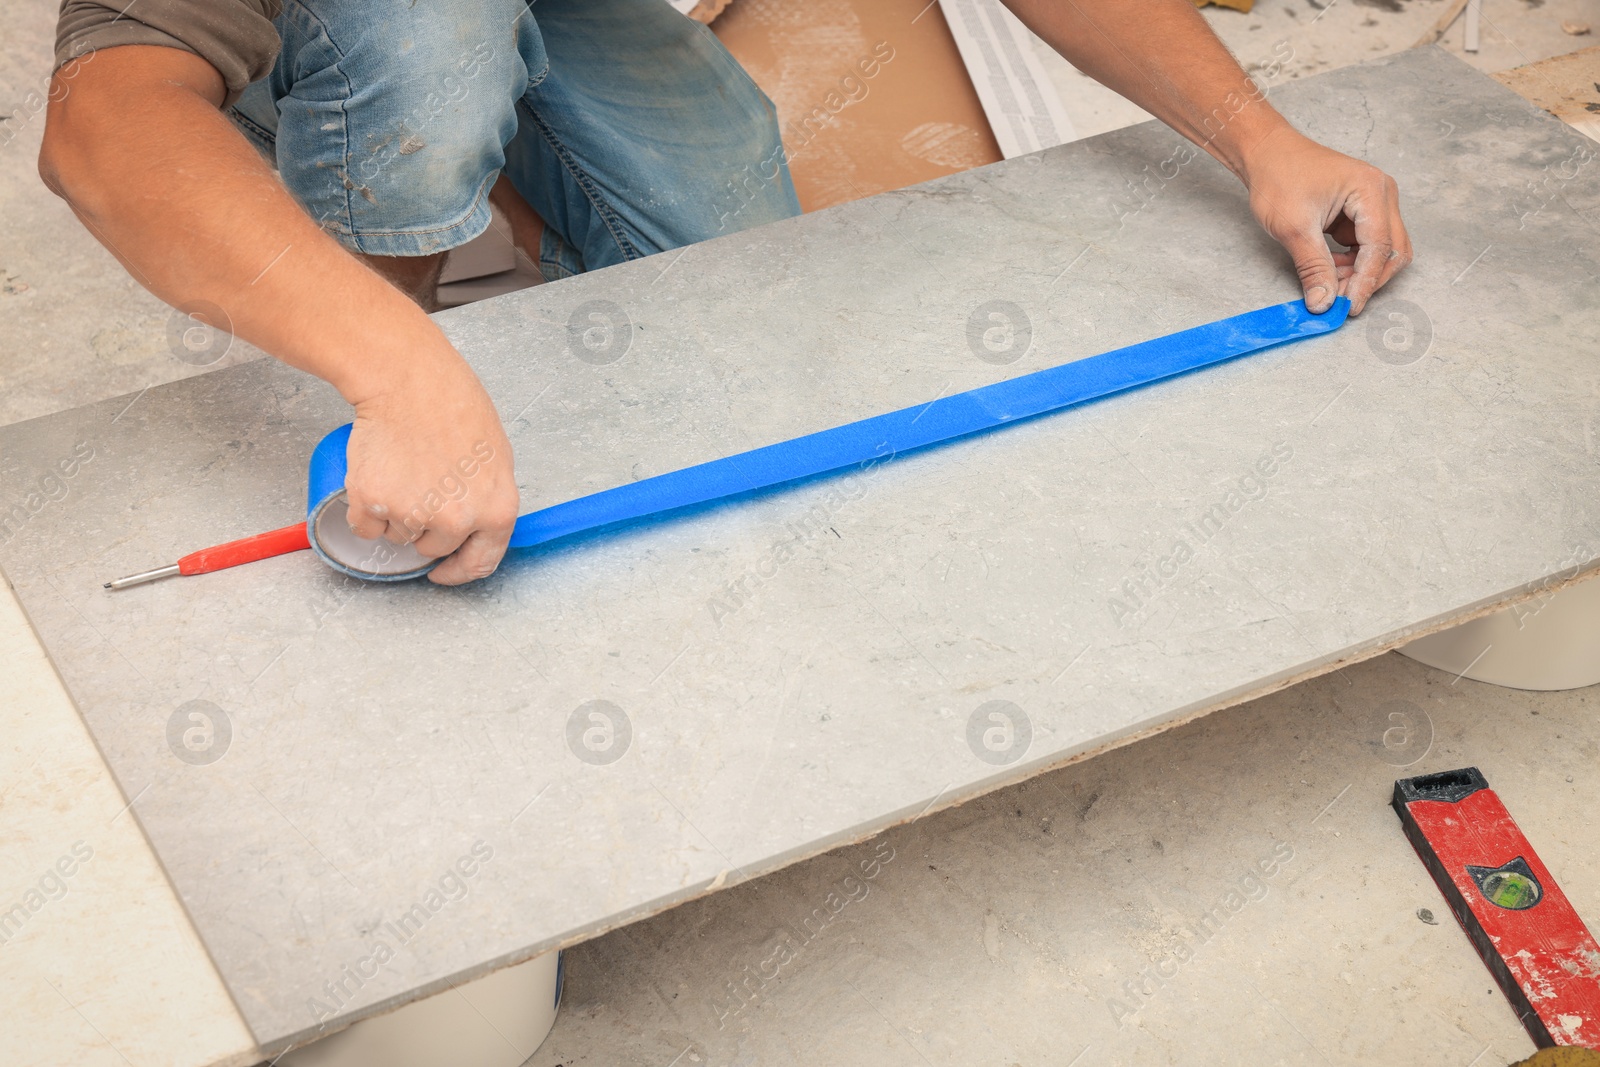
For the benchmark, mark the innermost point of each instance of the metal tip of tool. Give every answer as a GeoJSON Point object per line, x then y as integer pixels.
{"type": "Point", "coordinates": [142, 577]}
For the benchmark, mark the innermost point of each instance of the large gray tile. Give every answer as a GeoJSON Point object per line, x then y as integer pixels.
{"type": "Point", "coordinates": [378, 733]}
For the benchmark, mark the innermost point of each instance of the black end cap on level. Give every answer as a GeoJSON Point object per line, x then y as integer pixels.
{"type": "Point", "coordinates": [1448, 786]}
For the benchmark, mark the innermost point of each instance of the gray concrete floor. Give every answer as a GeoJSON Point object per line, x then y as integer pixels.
{"type": "Point", "coordinates": [1051, 923]}
{"type": "Point", "coordinates": [1047, 923]}
{"type": "Point", "coordinates": [74, 326]}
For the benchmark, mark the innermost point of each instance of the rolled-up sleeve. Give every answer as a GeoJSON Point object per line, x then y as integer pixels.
{"type": "Point", "coordinates": [235, 36]}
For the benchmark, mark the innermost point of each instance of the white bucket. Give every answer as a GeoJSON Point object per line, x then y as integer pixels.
{"type": "Point", "coordinates": [498, 1020]}
{"type": "Point", "coordinates": [1549, 642]}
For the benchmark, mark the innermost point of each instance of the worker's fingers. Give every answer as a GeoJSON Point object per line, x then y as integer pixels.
{"type": "Point", "coordinates": [1383, 247]}
{"type": "Point", "coordinates": [366, 518]}
{"type": "Point", "coordinates": [492, 517]}
{"type": "Point", "coordinates": [1402, 238]}
{"type": "Point", "coordinates": [1313, 261]}
{"type": "Point", "coordinates": [399, 535]}
{"type": "Point", "coordinates": [477, 558]}
{"type": "Point", "coordinates": [404, 531]}
{"type": "Point", "coordinates": [444, 535]}
{"type": "Point", "coordinates": [473, 543]}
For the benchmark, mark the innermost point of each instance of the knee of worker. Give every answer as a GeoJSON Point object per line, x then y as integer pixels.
{"type": "Point", "coordinates": [730, 171]}
{"type": "Point", "coordinates": [750, 183]}
{"type": "Point", "coordinates": [391, 117]}
{"type": "Point", "coordinates": [733, 186]}
{"type": "Point", "coordinates": [646, 135]}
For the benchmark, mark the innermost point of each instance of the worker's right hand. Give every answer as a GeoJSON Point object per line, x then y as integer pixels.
{"type": "Point", "coordinates": [1300, 190]}
{"type": "Point", "coordinates": [430, 465]}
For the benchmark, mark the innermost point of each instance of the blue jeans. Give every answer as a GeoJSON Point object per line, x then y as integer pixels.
{"type": "Point", "coordinates": [626, 126]}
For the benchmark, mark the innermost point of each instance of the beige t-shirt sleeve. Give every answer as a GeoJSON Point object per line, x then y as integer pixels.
{"type": "Point", "coordinates": [235, 36]}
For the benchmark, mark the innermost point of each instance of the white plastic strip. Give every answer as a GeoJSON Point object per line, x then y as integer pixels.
{"type": "Point", "coordinates": [1019, 99]}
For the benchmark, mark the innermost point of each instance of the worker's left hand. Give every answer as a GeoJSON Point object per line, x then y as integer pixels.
{"type": "Point", "coordinates": [1300, 190]}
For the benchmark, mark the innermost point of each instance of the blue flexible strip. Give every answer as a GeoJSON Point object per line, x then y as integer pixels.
{"type": "Point", "coordinates": [893, 434]}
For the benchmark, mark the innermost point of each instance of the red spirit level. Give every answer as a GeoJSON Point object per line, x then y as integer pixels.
{"type": "Point", "coordinates": [1543, 957]}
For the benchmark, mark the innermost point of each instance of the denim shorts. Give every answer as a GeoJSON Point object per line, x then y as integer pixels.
{"type": "Point", "coordinates": [626, 126]}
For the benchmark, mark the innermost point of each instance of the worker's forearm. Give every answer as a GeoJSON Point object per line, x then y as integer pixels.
{"type": "Point", "coordinates": [1162, 55]}
{"type": "Point", "coordinates": [177, 194]}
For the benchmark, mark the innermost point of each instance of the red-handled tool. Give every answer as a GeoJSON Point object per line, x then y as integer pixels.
{"type": "Point", "coordinates": [220, 557]}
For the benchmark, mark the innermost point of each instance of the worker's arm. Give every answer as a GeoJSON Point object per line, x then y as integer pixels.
{"type": "Point", "coordinates": [136, 144]}
{"type": "Point", "coordinates": [1162, 55]}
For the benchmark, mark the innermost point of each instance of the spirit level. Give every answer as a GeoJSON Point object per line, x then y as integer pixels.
{"type": "Point", "coordinates": [1543, 957]}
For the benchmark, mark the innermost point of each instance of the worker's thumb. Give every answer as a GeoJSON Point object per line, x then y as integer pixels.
{"type": "Point", "coordinates": [1314, 263]}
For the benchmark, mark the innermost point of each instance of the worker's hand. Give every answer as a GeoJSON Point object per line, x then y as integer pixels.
{"type": "Point", "coordinates": [1300, 190]}
{"type": "Point", "coordinates": [139, 147]}
{"type": "Point", "coordinates": [430, 464]}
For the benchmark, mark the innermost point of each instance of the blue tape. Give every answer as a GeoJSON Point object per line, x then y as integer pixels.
{"type": "Point", "coordinates": [877, 438]}
{"type": "Point", "coordinates": [329, 466]}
